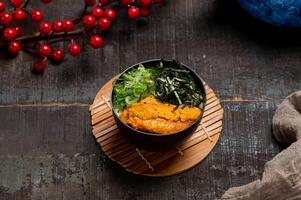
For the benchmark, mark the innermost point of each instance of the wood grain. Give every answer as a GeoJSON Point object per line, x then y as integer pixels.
{"type": "Point", "coordinates": [213, 36]}
{"type": "Point", "coordinates": [46, 147]}
{"type": "Point", "coordinates": [51, 154]}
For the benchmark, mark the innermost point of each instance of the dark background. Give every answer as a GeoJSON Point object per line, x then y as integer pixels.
{"type": "Point", "coordinates": [46, 146]}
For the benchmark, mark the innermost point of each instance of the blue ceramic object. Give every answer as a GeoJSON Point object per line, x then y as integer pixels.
{"type": "Point", "coordinates": [278, 12]}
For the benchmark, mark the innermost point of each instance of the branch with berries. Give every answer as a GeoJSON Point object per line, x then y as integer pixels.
{"type": "Point", "coordinates": [97, 17]}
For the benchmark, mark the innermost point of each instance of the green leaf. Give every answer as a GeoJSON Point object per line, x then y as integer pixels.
{"type": "Point", "coordinates": [132, 86]}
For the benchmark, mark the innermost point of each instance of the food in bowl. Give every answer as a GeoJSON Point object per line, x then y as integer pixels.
{"type": "Point", "coordinates": [151, 115]}
{"type": "Point", "coordinates": [157, 99]}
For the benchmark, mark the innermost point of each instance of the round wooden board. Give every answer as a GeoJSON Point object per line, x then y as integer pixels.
{"type": "Point", "coordinates": [165, 163]}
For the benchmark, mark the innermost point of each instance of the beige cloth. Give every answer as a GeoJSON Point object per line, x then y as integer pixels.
{"type": "Point", "coordinates": [281, 179]}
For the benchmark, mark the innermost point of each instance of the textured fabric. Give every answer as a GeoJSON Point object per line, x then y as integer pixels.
{"type": "Point", "coordinates": [287, 119]}
{"type": "Point", "coordinates": [281, 178]}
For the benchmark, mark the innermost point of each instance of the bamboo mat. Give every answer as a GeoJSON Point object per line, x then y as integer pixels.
{"type": "Point", "coordinates": [165, 163]}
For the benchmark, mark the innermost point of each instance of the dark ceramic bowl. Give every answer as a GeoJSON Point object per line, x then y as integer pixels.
{"type": "Point", "coordinates": [152, 141]}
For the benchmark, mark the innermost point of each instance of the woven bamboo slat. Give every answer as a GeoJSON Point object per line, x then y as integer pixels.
{"type": "Point", "coordinates": [165, 163]}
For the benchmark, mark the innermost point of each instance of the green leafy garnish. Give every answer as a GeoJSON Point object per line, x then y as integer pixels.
{"type": "Point", "coordinates": [132, 86]}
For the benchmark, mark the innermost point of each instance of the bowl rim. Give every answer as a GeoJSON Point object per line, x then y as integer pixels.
{"type": "Point", "coordinates": [198, 120]}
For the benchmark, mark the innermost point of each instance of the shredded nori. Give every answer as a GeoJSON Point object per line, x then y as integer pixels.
{"type": "Point", "coordinates": [176, 85]}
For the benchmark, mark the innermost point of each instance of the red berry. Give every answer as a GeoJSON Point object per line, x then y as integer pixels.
{"type": "Point", "coordinates": [58, 55]}
{"type": "Point", "coordinates": [36, 15]}
{"type": "Point", "coordinates": [18, 30]}
{"type": "Point", "coordinates": [46, 1]}
{"type": "Point", "coordinates": [15, 3]}
{"type": "Point", "coordinates": [57, 26]}
{"type": "Point", "coordinates": [6, 18]}
{"type": "Point", "coordinates": [89, 21]}
{"type": "Point", "coordinates": [97, 12]}
{"type": "Point", "coordinates": [44, 50]}
{"type": "Point", "coordinates": [133, 12]}
{"type": "Point", "coordinates": [2, 6]}
{"type": "Point", "coordinates": [14, 47]}
{"type": "Point", "coordinates": [95, 41]}
{"type": "Point", "coordinates": [74, 49]}
{"type": "Point", "coordinates": [68, 25]}
{"type": "Point", "coordinates": [104, 23]}
{"type": "Point", "coordinates": [145, 3]}
{"type": "Point", "coordinates": [110, 13]}
{"type": "Point", "coordinates": [45, 28]}
{"type": "Point", "coordinates": [19, 15]}
{"type": "Point", "coordinates": [144, 12]}
{"type": "Point", "coordinates": [90, 2]}
{"type": "Point", "coordinates": [39, 66]}
{"type": "Point", "coordinates": [9, 34]}
{"type": "Point", "coordinates": [126, 2]}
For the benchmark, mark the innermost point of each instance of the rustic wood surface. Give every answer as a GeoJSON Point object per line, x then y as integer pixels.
{"type": "Point", "coordinates": [47, 150]}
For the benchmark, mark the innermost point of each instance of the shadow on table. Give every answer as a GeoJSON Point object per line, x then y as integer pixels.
{"type": "Point", "coordinates": [131, 178]}
{"type": "Point", "coordinates": [136, 186]}
{"type": "Point", "coordinates": [231, 14]}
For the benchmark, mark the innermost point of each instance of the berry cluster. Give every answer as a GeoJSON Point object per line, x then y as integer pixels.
{"type": "Point", "coordinates": [97, 17]}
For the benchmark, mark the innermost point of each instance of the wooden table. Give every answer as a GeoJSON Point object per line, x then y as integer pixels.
{"type": "Point", "coordinates": [46, 147]}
